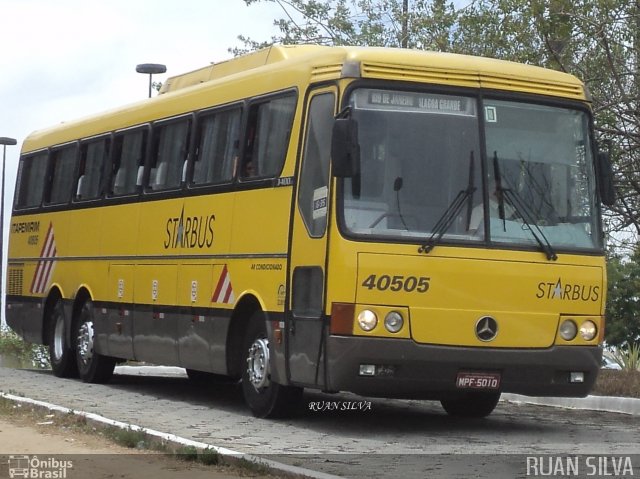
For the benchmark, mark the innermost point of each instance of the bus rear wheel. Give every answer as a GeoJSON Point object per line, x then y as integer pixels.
{"type": "Point", "coordinates": [471, 404]}
{"type": "Point", "coordinates": [63, 361]}
{"type": "Point", "coordinates": [93, 367]}
{"type": "Point", "coordinates": [264, 397]}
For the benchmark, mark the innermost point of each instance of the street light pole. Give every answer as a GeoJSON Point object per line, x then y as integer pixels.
{"type": "Point", "coordinates": [4, 141]}
{"type": "Point", "coordinates": [151, 69]}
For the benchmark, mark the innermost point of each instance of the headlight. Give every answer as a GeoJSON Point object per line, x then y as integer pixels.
{"type": "Point", "coordinates": [568, 330]}
{"type": "Point", "coordinates": [367, 320]}
{"type": "Point", "coordinates": [588, 330]}
{"type": "Point", "coordinates": [393, 322]}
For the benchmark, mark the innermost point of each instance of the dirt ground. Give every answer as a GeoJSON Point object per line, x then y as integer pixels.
{"type": "Point", "coordinates": [90, 455]}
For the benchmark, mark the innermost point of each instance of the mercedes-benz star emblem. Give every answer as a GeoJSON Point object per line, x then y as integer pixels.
{"type": "Point", "coordinates": [486, 328]}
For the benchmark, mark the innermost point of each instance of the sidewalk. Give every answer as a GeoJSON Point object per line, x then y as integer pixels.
{"type": "Point", "coordinates": [591, 403]}
{"type": "Point", "coordinates": [613, 404]}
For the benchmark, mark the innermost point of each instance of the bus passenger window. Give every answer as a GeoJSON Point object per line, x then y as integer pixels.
{"type": "Point", "coordinates": [129, 150]}
{"type": "Point", "coordinates": [63, 163]}
{"type": "Point", "coordinates": [268, 135]}
{"type": "Point", "coordinates": [168, 155]}
{"type": "Point", "coordinates": [93, 157]}
{"type": "Point", "coordinates": [30, 180]}
{"type": "Point", "coordinates": [217, 147]}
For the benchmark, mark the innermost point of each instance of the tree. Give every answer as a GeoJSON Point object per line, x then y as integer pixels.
{"type": "Point", "coordinates": [391, 23]}
{"type": "Point", "coordinates": [623, 300]}
{"type": "Point", "coordinates": [597, 40]}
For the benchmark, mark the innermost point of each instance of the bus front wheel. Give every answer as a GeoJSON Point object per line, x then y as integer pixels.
{"type": "Point", "coordinates": [63, 361]}
{"type": "Point", "coordinates": [471, 404]}
{"type": "Point", "coordinates": [93, 367]}
{"type": "Point", "coordinates": [264, 397]}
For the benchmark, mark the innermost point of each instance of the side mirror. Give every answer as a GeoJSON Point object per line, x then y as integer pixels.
{"type": "Point", "coordinates": [345, 149]}
{"type": "Point", "coordinates": [605, 179]}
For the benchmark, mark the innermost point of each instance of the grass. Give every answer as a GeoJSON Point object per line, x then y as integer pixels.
{"type": "Point", "coordinates": [208, 457]}
{"type": "Point", "coordinates": [628, 357]}
{"type": "Point", "coordinates": [129, 438]}
{"type": "Point", "coordinates": [14, 352]}
{"type": "Point", "coordinates": [618, 383]}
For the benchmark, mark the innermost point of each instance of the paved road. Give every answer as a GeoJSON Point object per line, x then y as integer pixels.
{"type": "Point", "coordinates": [389, 438]}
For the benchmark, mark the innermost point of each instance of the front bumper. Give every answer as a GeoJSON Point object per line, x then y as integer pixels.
{"type": "Point", "coordinates": [422, 371]}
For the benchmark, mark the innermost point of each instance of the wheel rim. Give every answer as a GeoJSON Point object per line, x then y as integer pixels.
{"type": "Point", "coordinates": [258, 363]}
{"type": "Point", "coordinates": [58, 338]}
{"type": "Point", "coordinates": [85, 342]}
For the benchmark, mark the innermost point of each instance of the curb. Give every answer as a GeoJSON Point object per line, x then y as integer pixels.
{"type": "Point", "coordinates": [285, 470]}
{"type": "Point", "coordinates": [591, 403]}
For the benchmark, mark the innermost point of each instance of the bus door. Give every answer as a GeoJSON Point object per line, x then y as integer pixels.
{"type": "Point", "coordinates": [305, 331]}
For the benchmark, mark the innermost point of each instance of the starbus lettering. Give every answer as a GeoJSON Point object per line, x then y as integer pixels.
{"type": "Point", "coordinates": [568, 291]}
{"type": "Point", "coordinates": [186, 231]}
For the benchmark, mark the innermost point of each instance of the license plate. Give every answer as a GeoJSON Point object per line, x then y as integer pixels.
{"type": "Point", "coordinates": [478, 380]}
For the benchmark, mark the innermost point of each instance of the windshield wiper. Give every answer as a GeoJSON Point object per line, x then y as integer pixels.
{"type": "Point", "coordinates": [522, 209]}
{"type": "Point", "coordinates": [446, 220]}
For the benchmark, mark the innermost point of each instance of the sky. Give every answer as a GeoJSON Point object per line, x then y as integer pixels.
{"type": "Point", "coordinates": [65, 59]}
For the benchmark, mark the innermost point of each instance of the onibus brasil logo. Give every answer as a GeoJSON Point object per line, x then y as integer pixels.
{"type": "Point", "coordinates": [33, 467]}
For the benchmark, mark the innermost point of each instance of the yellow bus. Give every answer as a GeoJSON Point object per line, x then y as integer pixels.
{"type": "Point", "coordinates": [392, 223]}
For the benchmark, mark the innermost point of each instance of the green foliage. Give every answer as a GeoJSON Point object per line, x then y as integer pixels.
{"type": "Point", "coordinates": [391, 23]}
{"type": "Point", "coordinates": [187, 453]}
{"type": "Point", "coordinates": [251, 467]}
{"type": "Point", "coordinates": [623, 300]}
{"type": "Point", "coordinates": [128, 437]}
{"type": "Point", "coordinates": [597, 40]}
{"type": "Point", "coordinates": [628, 357]}
{"type": "Point", "coordinates": [208, 456]}
{"type": "Point", "coordinates": [18, 353]}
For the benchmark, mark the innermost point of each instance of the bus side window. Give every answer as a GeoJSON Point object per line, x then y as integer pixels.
{"type": "Point", "coordinates": [168, 155]}
{"type": "Point", "coordinates": [93, 156]}
{"type": "Point", "coordinates": [63, 164]}
{"type": "Point", "coordinates": [268, 131]}
{"type": "Point", "coordinates": [217, 147]}
{"type": "Point", "coordinates": [129, 149]}
{"type": "Point", "coordinates": [30, 180]}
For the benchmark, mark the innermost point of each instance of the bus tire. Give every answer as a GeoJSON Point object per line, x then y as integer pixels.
{"type": "Point", "coordinates": [93, 367]}
{"type": "Point", "coordinates": [265, 398]}
{"type": "Point", "coordinates": [471, 404]}
{"type": "Point", "coordinates": [61, 355]}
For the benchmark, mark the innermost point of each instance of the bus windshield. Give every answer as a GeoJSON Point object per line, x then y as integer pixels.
{"type": "Point", "coordinates": [422, 168]}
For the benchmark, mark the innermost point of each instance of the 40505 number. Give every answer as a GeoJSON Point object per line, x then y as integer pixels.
{"type": "Point", "coordinates": [397, 283]}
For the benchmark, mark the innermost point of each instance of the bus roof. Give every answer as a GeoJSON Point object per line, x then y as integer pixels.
{"type": "Point", "coordinates": [290, 65]}
{"type": "Point", "coordinates": [395, 62]}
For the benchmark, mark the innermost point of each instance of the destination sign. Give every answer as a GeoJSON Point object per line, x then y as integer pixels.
{"type": "Point", "coordinates": [415, 102]}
